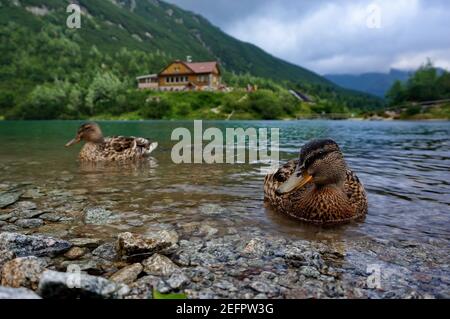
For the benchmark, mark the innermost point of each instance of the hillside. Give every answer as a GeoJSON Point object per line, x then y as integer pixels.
{"type": "Point", "coordinates": [373, 83]}
{"type": "Point", "coordinates": [118, 40]}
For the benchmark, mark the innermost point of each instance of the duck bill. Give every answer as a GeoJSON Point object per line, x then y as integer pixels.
{"type": "Point", "coordinates": [294, 182]}
{"type": "Point", "coordinates": [74, 141]}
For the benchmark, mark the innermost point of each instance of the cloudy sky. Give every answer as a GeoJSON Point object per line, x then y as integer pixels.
{"type": "Point", "coordinates": [341, 36]}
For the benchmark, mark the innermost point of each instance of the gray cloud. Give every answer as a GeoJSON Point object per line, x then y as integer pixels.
{"type": "Point", "coordinates": [338, 36]}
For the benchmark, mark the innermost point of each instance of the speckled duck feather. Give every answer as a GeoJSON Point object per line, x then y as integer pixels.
{"type": "Point", "coordinates": [117, 149]}
{"type": "Point", "coordinates": [319, 206]}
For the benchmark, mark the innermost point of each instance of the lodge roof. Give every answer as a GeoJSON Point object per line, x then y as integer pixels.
{"type": "Point", "coordinates": [202, 67]}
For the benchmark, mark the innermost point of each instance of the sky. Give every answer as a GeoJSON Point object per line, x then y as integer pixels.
{"type": "Point", "coordinates": [341, 36]}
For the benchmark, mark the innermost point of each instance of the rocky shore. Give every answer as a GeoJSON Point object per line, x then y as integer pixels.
{"type": "Point", "coordinates": [42, 258]}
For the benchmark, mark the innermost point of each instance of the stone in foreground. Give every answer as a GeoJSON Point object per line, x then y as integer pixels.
{"type": "Point", "coordinates": [27, 245]}
{"type": "Point", "coordinates": [23, 272]}
{"type": "Point", "coordinates": [159, 265]}
{"type": "Point", "coordinates": [127, 274]}
{"type": "Point", "coordinates": [135, 247]}
{"type": "Point", "coordinates": [17, 293]}
{"type": "Point", "coordinates": [60, 285]}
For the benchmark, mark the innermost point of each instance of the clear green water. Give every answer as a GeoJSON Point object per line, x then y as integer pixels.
{"type": "Point", "coordinates": [405, 167]}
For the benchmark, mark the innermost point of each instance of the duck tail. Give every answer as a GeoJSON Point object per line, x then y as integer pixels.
{"type": "Point", "coordinates": [151, 147]}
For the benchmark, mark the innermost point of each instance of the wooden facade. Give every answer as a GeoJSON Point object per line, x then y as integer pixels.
{"type": "Point", "coordinates": [182, 76]}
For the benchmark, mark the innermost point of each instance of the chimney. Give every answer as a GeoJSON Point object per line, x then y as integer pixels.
{"type": "Point", "coordinates": [189, 59]}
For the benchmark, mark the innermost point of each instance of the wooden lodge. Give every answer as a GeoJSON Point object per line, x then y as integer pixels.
{"type": "Point", "coordinates": [184, 76]}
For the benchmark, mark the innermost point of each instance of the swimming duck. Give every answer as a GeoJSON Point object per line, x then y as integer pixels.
{"type": "Point", "coordinates": [318, 187]}
{"type": "Point", "coordinates": [116, 148]}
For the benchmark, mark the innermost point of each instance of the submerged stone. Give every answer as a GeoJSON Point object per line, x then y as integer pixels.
{"type": "Point", "coordinates": [28, 245]}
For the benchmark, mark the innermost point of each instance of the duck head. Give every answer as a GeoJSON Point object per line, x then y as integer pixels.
{"type": "Point", "coordinates": [88, 132]}
{"type": "Point", "coordinates": [321, 162]}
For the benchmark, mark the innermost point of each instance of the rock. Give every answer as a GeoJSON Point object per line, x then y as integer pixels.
{"type": "Point", "coordinates": [263, 287]}
{"type": "Point", "coordinates": [7, 199]}
{"type": "Point", "coordinates": [93, 266]}
{"type": "Point", "coordinates": [51, 217]}
{"type": "Point", "coordinates": [127, 274]}
{"type": "Point", "coordinates": [207, 231]}
{"type": "Point", "coordinates": [5, 256]}
{"type": "Point", "coordinates": [23, 272]}
{"type": "Point", "coordinates": [134, 247]}
{"type": "Point", "coordinates": [159, 265]}
{"type": "Point", "coordinates": [17, 293]}
{"type": "Point", "coordinates": [98, 216]}
{"type": "Point", "coordinates": [143, 288]}
{"type": "Point", "coordinates": [29, 223]}
{"type": "Point", "coordinates": [10, 228]}
{"type": "Point", "coordinates": [106, 251]}
{"type": "Point", "coordinates": [26, 214]}
{"type": "Point", "coordinates": [59, 285]}
{"type": "Point", "coordinates": [177, 280]}
{"type": "Point", "coordinates": [31, 194]}
{"type": "Point", "coordinates": [4, 217]}
{"type": "Point", "coordinates": [255, 247]}
{"type": "Point", "coordinates": [26, 205]}
{"type": "Point", "coordinates": [309, 271]}
{"type": "Point", "coordinates": [75, 253]}
{"type": "Point", "coordinates": [27, 245]}
{"type": "Point", "coordinates": [86, 242]}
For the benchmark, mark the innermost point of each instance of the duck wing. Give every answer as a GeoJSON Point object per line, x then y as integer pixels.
{"type": "Point", "coordinates": [133, 145]}
{"type": "Point", "coordinates": [356, 193]}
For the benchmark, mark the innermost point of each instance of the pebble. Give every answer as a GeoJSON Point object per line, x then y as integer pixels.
{"type": "Point", "coordinates": [127, 274]}
{"type": "Point", "coordinates": [159, 265]}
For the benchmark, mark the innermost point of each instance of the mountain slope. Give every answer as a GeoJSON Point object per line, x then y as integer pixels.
{"type": "Point", "coordinates": [152, 25]}
{"type": "Point", "coordinates": [373, 83]}
{"type": "Point", "coordinates": [43, 60]}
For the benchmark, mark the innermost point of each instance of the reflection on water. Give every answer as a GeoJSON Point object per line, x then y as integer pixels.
{"type": "Point", "coordinates": [403, 165]}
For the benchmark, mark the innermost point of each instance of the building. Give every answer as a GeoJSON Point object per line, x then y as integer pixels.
{"type": "Point", "coordinates": [182, 76]}
{"type": "Point", "coordinates": [149, 81]}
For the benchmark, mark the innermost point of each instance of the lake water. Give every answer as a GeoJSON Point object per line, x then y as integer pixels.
{"type": "Point", "coordinates": [403, 165]}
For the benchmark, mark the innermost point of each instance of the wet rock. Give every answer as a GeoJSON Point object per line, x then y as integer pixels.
{"type": "Point", "coordinates": [51, 217]}
{"type": "Point", "coordinates": [143, 288]}
{"type": "Point", "coordinates": [207, 231]}
{"type": "Point", "coordinates": [23, 272]}
{"type": "Point", "coordinates": [27, 245]}
{"type": "Point", "coordinates": [106, 251]}
{"type": "Point", "coordinates": [255, 247]}
{"type": "Point", "coordinates": [59, 285]}
{"type": "Point", "coordinates": [7, 199]}
{"type": "Point", "coordinates": [177, 280]}
{"type": "Point", "coordinates": [98, 216]}
{"type": "Point", "coordinates": [17, 293]}
{"type": "Point", "coordinates": [29, 223]}
{"type": "Point", "coordinates": [5, 256]}
{"type": "Point", "coordinates": [4, 217]}
{"type": "Point", "coordinates": [127, 274]}
{"type": "Point", "coordinates": [75, 253]}
{"type": "Point", "coordinates": [10, 228]}
{"type": "Point", "coordinates": [93, 266]}
{"type": "Point", "coordinates": [86, 242]}
{"type": "Point", "coordinates": [263, 287]}
{"type": "Point", "coordinates": [32, 193]}
{"type": "Point", "coordinates": [309, 271]}
{"type": "Point", "coordinates": [134, 247]}
{"type": "Point", "coordinates": [159, 265]}
{"type": "Point", "coordinates": [26, 205]}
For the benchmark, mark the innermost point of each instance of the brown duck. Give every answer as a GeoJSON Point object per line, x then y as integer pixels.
{"type": "Point", "coordinates": [116, 148]}
{"type": "Point", "coordinates": [318, 187]}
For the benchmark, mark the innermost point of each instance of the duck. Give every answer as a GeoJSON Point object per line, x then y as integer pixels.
{"type": "Point", "coordinates": [318, 187]}
{"type": "Point", "coordinates": [110, 149]}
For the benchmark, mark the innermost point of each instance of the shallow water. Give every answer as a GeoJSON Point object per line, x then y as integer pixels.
{"type": "Point", "coordinates": [403, 165]}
